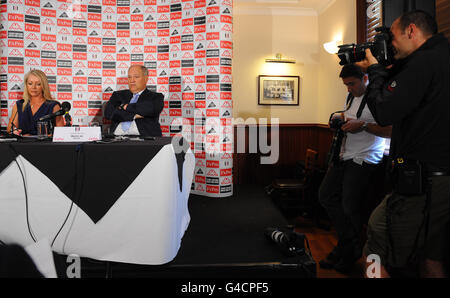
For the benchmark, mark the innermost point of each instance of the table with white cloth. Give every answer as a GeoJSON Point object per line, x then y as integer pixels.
{"type": "Point", "coordinates": [121, 201]}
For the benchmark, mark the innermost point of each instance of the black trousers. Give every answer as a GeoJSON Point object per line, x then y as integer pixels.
{"type": "Point", "coordinates": [343, 193]}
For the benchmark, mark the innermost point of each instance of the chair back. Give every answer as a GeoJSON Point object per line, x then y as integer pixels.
{"type": "Point", "coordinates": [311, 160]}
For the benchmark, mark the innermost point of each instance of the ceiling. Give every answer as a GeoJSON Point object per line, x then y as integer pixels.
{"type": "Point", "coordinates": [307, 6]}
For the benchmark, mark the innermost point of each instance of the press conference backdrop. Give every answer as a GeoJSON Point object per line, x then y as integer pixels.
{"type": "Point", "coordinates": [86, 46]}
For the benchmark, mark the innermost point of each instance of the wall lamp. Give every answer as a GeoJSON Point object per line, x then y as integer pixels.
{"type": "Point", "coordinates": [279, 59]}
{"type": "Point", "coordinates": [332, 46]}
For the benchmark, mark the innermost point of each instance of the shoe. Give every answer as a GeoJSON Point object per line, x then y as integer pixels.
{"type": "Point", "coordinates": [332, 259]}
{"type": "Point", "coordinates": [346, 263]}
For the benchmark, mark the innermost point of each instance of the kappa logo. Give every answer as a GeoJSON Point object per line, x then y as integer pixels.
{"type": "Point", "coordinates": [80, 64]}
{"type": "Point", "coordinates": [151, 81]}
{"type": "Point", "coordinates": [212, 122]}
{"type": "Point", "coordinates": [49, 72]}
{"type": "Point", "coordinates": [211, 105]}
{"type": "Point", "coordinates": [64, 80]}
{"type": "Point", "coordinates": [226, 10]}
{"type": "Point", "coordinates": [187, 31]}
{"type": "Point", "coordinates": [212, 45]}
{"type": "Point", "coordinates": [16, 53]}
{"type": "Point", "coordinates": [213, 19]}
{"type": "Point", "coordinates": [94, 25]}
{"type": "Point", "coordinates": [109, 33]}
{"type": "Point", "coordinates": [188, 80]}
{"type": "Point", "coordinates": [227, 27]}
{"type": "Point", "coordinates": [226, 79]}
{"type": "Point", "coordinates": [163, 41]}
{"type": "Point", "coordinates": [109, 57]}
{"type": "Point", "coordinates": [49, 22]}
{"type": "Point", "coordinates": [225, 181]}
{"type": "Point", "coordinates": [80, 113]}
{"type": "Point", "coordinates": [200, 62]}
{"type": "Point", "coordinates": [48, 5]}
{"type": "Point", "coordinates": [150, 9]}
{"type": "Point", "coordinates": [109, 81]}
{"type": "Point", "coordinates": [94, 73]}
{"type": "Point", "coordinates": [200, 163]}
{"type": "Point", "coordinates": [227, 53]}
{"type": "Point", "coordinates": [49, 47]}
{"type": "Point", "coordinates": [136, 50]}
{"type": "Point", "coordinates": [80, 40]}
{"type": "Point", "coordinates": [95, 2]}
{"type": "Point", "coordinates": [64, 31]}
{"type": "Point", "coordinates": [94, 96]}
{"type": "Point", "coordinates": [93, 33]}
{"type": "Point", "coordinates": [212, 96]}
{"type": "Point", "coordinates": [162, 89]}
{"type": "Point", "coordinates": [164, 112]}
{"type": "Point", "coordinates": [124, 19]}
{"type": "Point", "coordinates": [187, 55]}
{"type": "Point", "coordinates": [175, 72]}
{"type": "Point", "coordinates": [123, 65]}
{"type": "Point", "coordinates": [188, 105]}
{"type": "Point", "coordinates": [32, 36]}
{"type": "Point", "coordinates": [199, 37]}
{"type": "Point", "coordinates": [109, 9]}
{"type": "Point", "coordinates": [32, 62]}
{"type": "Point", "coordinates": [150, 33]}
{"type": "Point", "coordinates": [175, 24]}
{"type": "Point", "coordinates": [80, 88]}
{"type": "Point", "coordinates": [212, 173]}
{"type": "Point", "coordinates": [15, 79]}
{"type": "Point", "coordinates": [32, 11]}
{"type": "Point", "coordinates": [15, 27]}
{"type": "Point", "coordinates": [94, 49]}
{"type": "Point", "coordinates": [64, 56]}
{"type": "Point", "coordinates": [175, 48]}
{"type": "Point", "coordinates": [227, 104]}
{"type": "Point", "coordinates": [199, 12]}
{"type": "Point", "coordinates": [227, 130]}
{"type": "Point", "coordinates": [199, 187]}
{"type": "Point", "coordinates": [212, 70]}
{"type": "Point", "coordinates": [163, 17]}
{"type": "Point", "coordinates": [200, 88]}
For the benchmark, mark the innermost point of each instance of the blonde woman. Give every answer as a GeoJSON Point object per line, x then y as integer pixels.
{"type": "Point", "coordinates": [36, 103]}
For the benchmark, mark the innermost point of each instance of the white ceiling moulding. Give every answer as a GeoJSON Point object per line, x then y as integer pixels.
{"type": "Point", "coordinates": [325, 6]}
{"type": "Point", "coordinates": [274, 11]}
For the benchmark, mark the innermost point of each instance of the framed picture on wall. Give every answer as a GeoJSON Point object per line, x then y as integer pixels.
{"type": "Point", "coordinates": [278, 90]}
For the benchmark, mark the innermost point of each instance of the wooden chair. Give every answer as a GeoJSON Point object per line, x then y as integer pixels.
{"type": "Point", "coordinates": [296, 194]}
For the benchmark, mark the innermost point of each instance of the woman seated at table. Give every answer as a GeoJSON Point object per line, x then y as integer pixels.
{"type": "Point", "coordinates": [36, 103]}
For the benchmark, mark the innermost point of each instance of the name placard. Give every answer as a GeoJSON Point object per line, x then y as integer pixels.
{"type": "Point", "coordinates": [77, 134]}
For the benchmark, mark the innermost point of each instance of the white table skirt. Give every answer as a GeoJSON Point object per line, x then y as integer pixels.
{"type": "Point", "coordinates": [144, 226]}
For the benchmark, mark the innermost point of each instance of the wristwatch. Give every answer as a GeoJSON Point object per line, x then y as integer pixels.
{"type": "Point", "coordinates": [364, 126]}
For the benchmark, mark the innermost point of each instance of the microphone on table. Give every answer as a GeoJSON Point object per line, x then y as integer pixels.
{"type": "Point", "coordinates": [64, 109]}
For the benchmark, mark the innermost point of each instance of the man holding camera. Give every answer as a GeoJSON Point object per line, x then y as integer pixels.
{"type": "Point", "coordinates": [343, 190]}
{"type": "Point", "coordinates": [408, 230]}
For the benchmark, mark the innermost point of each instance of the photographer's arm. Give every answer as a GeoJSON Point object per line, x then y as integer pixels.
{"type": "Point", "coordinates": [391, 104]}
{"type": "Point", "coordinates": [379, 131]}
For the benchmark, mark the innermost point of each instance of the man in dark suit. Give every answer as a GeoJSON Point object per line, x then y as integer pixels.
{"type": "Point", "coordinates": [135, 111]}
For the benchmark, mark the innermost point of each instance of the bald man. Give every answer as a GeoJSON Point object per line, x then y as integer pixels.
{"type": "Point", "coordinates": [135, 111]}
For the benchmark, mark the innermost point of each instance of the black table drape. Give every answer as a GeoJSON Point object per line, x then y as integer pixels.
{"type": "Point", "coordinates": [92, 175]}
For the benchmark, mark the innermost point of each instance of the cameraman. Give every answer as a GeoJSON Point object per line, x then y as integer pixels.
{"type": "Point", "coordinates": [408, 229]}
{"type": "Point", "coordinates": [343, 190]}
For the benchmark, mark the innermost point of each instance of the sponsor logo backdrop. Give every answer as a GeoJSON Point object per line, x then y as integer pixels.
{"type": "Point", "coordinates": [86, 46]}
